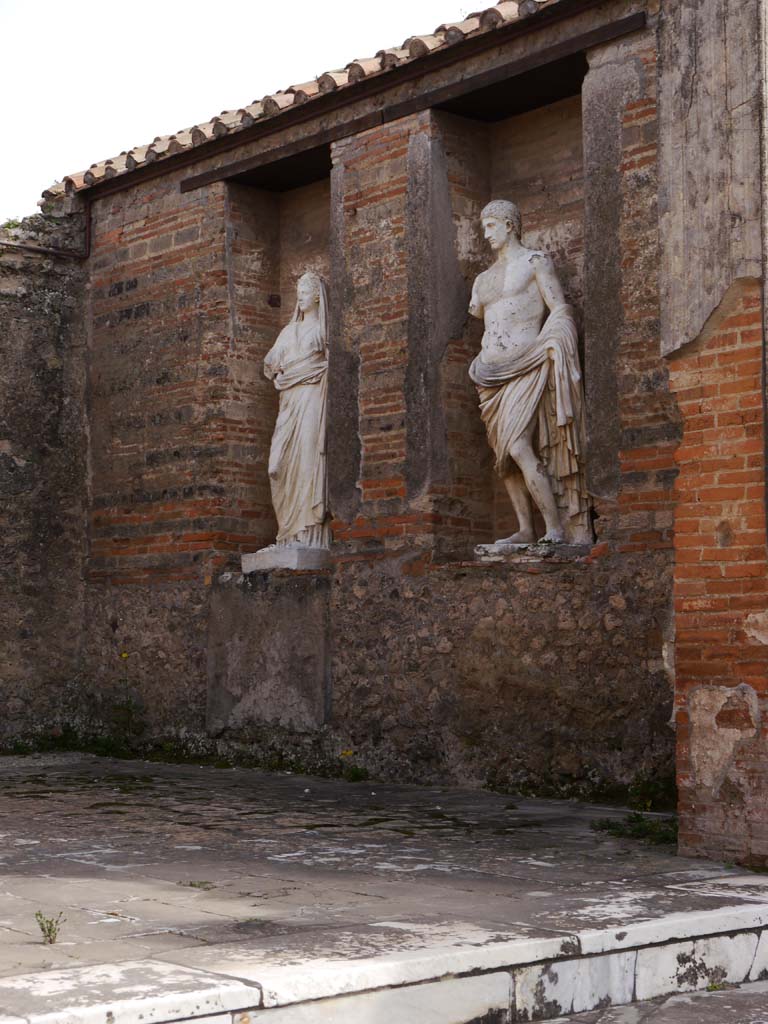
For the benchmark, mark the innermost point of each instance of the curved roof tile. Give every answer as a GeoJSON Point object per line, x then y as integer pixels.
{"type": "Point", "coordinates": [359, 69]}
{"type": "Point", "coordinates": [495, 16]}
{"type": "Point", "coordinates": [229, 121]}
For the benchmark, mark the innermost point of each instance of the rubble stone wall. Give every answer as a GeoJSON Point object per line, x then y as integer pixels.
{"type": "Point", "coordinates": [543, 676]}
{"type": "Point", "coordinates": [43, 489]}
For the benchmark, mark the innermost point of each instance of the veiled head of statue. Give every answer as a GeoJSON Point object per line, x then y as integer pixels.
{"type": "Point", "coordinates": [311, 298]}
{"type": "Point", "coordinates": [308, 291]}
{"type": "Point", "coordinates": [502, 211]}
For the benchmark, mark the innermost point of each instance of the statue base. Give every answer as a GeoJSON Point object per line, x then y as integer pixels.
{"type": "Point", "coordinates": [536, 550]}
{"type": "Point", "coordinates": [299, 557]}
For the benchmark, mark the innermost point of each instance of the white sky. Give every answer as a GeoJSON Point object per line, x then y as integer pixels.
{"type": "Point", "coordinates": [80, 83]}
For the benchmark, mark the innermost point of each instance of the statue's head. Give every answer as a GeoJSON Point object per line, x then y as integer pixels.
{"type": "Point", "coordinates": [500, 219]}
{"type": "Point", "coordinates": [308, 291]}
{"type": "Point", "coordinates": [311, 295]}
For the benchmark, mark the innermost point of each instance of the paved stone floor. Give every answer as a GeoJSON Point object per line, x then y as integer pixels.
{"type": "Point", "coordinates": [747, 1004]}
{"type": "Point", "coordinates": [251, 874]}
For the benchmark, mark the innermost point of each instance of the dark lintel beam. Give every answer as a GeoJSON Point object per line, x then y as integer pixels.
{"type": "Point", "coordinates": [429, 98]}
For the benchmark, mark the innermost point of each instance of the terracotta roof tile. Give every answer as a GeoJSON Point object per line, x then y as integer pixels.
{"type": "Point", "coordinates": [231, 118]}
{"type": "Point", "coordinates": [497, 15]}
{"type": "Point", "coordinates": [138, 156]}
{"type": "Point", "coordinates": [202, 133]}
{"type": "Point", "coordinates": [458, 30]}
{"type": "Point", "coordinates": [183, 138]}
{"type": "Point", "coordinates": [74, 182]}
{"type": "Point", "coordinates": [420, 46]}
{"type": "Point", "coordinates": [359, 69]}
{"type": "Point", "coordinates": [250, 113]}
{"type": "Point", "coordinates": [55, 191]}
{"type": "Point", "coordinates": [115, 166]}
{"type": "Point", "coordinates": [391, 58]}
{"type": "Point", "coordinates": [232, 121]}
{"type": "Point", "coordinates": [305, 91]}
{"type": "Point", "coordinates": [333, 80]}
{"type": "Point", "coordinates": [526, 7]}
{"type": "Point", "coordinates": [276, 102]}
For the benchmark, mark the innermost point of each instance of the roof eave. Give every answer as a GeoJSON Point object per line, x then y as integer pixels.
{"type": "Point", "coordinates": [327, 102]}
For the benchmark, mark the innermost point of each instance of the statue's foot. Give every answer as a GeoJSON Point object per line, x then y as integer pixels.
{"type": "Point", "coordinates": [521, 537]}
{"type": "Point", "coordinates": [556, 536]}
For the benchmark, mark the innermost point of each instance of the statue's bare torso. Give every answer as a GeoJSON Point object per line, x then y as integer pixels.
{"type": "Point", "coordinates": [509, 297]}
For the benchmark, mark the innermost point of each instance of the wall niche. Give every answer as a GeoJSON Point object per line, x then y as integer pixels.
{"type": "Point", "coordinates": [278, 226]}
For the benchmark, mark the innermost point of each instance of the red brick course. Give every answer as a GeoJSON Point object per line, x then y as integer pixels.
{"type": "Point", "coordinates": [721, 584]}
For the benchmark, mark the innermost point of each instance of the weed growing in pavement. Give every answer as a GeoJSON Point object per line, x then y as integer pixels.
{"type": "Point", "coordinates": [50, 926]}
{"type": "Point", "coordinates": [657, 831]}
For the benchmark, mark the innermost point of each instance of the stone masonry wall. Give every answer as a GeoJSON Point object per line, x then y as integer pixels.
{"type": "Point", "coordinates": [135, 400]}
{"type": "Point", "coordinates": [546, 675]}
{"type": "Point", "coordinates": [43, 496]}
{"type": "Point", "coordinates": [541, 676]}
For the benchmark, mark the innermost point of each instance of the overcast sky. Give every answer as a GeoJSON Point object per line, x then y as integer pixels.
{"type": "Point", "coordinates": [80, 84]}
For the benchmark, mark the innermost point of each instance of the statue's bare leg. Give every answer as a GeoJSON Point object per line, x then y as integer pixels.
{"type": "Point", "coordinates": [521, 503]}
{"type": "Point", "coordinates": [537, 482]}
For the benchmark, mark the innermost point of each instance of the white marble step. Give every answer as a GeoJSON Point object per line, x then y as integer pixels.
{"type": "Point", "coordinates": [401, 972]}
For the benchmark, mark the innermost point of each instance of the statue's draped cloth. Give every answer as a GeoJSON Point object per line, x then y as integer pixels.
{"type": "Point", "coordinates": [297, 459]}
{"type": "Point", "coordinates": [529, 383]}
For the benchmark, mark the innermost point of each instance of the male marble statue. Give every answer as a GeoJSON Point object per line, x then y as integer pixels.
{"type": "Point", "coordinates": [529, 383]}
{"type": "Point", "coordinates": [297, 365]}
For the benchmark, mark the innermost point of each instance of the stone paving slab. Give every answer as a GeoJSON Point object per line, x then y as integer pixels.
{"type": "Point", "coordinates": [304, 891]}
{"type": "Point", "coordinates": [133, 992]}
{"type": "Point", "coordinates": [745, 1005]}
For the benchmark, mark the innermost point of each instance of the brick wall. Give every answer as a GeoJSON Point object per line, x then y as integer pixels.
{"type": "Point", "coordinates": [721, 585]}
{"type": "Point", "coordinates": [470, 485]}
{"type": "Point", "coordinates": [633, 425]}
{"type": "Point", "coordinates": [253, 262]}
{"type": "Point", "coordinates": [373, 213]}
{"type": "Point", "coordinates": [160, 333]}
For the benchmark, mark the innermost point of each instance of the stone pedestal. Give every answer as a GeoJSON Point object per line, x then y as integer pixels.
{"type": "Point", "coordinates": [275, 557]}
{"type": "Point", "coordinates": [504, 551]}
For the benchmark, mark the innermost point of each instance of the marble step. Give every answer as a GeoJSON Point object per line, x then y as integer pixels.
{"type": "Point", "coordinates": [406, 972]}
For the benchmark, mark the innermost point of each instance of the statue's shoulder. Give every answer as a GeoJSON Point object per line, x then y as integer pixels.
{"type": "Point", "coordinates": [539, 259]}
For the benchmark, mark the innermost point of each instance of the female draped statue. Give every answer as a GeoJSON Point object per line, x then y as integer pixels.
{"type": "Point", "coordinates": [297, 365]}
